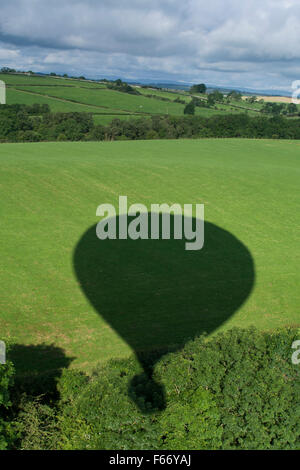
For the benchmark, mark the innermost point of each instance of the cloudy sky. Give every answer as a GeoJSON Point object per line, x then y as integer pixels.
{"type": "Point", "coordinates": [250, 43]}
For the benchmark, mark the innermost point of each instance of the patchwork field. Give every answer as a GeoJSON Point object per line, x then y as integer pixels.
{"type": "Point", "coordinates": [110, 99]}
{"type": "Point", "coordinates": [70, 95]}
{"type": "Point", "coordinates": [57, 105]}
{"type": "Point", "coordinates": [61, 287]}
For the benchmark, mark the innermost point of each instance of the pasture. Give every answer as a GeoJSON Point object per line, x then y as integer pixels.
{"type": "Point", "coordinates": [57, 105]}
{"type": "Point", "coordinates": [70, 95]}
{"type": "Point", "coordinates": [248, 275]}
{"type": "Point", "coordinates": [112, 99]}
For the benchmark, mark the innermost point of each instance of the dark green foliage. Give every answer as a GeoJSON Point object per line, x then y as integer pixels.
{"type": "Point", "coordinates": [6, 382]}
{"type": "Point", "coordinates": [201, 88]}
{"type": "Point", "coordinates": [189, 108]}
{"type": "Point", "coordinates": [253, 381]}
{"type": "Point", "coordinates": [234, 95]}
{"type": "Point", "coordinates": [70, 384]}
{"type": "Point", "coordinates": [273, 108]}
{"type": "Point", "coordinates": [106, 417]}
{"type": "Point", "coordinates": [7, 70]}
{"type": "Point", "coordinates": [173, 127]}
{"type": "Point", "coordinates": [191, 421]}
{"type": "Point", "coordinates": [111, 420]}
{"type": "Point", "coordinates": [214, 97]}
{"type": "Point", "coordinates": [217, 95]}
{"type": "Point", "coordinates": [211, 100]}
{"type": "Point", "coordinates": [20, 123]}
{"type": "Point", "coordinates": [258, 401]}
{"type": "Point", "coordinates": [292, 108]}
{"type": "Point", "coordinates": [237, 390]}
{"type": "Point", "coordinates": [118, 85]}
{"type": "Point", "coordinates": [277, 109]}
{"type": "Point", "coordinates": [251, 99]}
{"type": "Point", "coordinates": [37, 425]}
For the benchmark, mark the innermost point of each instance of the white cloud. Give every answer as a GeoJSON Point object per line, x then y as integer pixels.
{"type": "Point", "coordinates": [223, 41]}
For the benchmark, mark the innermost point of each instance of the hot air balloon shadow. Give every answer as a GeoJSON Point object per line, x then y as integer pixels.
{"type": "Point", "coordinates": [157, 296]}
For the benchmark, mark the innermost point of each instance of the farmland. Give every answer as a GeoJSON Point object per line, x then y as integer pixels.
{"type": "Point", "coordinates": [74, 95]}
{"type": "Point", "coordinates": [50, 192]}
{"type": "Point", "coordinates": [149, 243]}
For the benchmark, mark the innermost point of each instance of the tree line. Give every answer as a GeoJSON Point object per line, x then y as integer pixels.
{"type": "Point", "coordinates": [21, 123]}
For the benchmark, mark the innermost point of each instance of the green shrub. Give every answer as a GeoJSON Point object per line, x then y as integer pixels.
{"type": "Point", "coordinates": [236, 390]}
{"type": "Point", "coordinates": [37, 425]}
{"type": "Point", "coordinates": [70, 384]}
{"type": "Point", "coordinates": [192, 422]}
{"type": "Point", "coordinates": [252, 380]}
{"type": "Point", "coordinates": [6, 381]}
{"type": "Point", "coordinates": [189, 108]}
{"type": "Point", "coordinates": [102, 415]}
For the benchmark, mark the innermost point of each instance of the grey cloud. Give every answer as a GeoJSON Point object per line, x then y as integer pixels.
{"type": "Point", "coordinates": [224, 41]}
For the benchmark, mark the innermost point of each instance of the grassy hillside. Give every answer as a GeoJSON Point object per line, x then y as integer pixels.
{"type": "Point", "coordinates": [110, 99]}
{"type": "Point", "coordinates": [248, 274]}
{"type": "Point", "coordinates": [68, 95]}
{"type": "Point", "coordinates": [28, 97]}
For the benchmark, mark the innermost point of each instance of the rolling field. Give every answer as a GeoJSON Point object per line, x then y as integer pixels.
{"type": "Point", "coordinates": [111, 99]}
{"type": "Point", "coordinates": [57, 105]}
{"type": "Point", "coordinates": [68, 95]}
{"type": "Point", "coordinates": [22, 79]}
{"type": "Point", "coordinates": [133, 294]}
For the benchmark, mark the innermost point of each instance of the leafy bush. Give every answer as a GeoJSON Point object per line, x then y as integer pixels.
{"type": "Point", "coordinates": [192, 422]}
{"type": "Point", "coordinates": [189, 108]}
{"type": "Point", "coordinates": [6, 381]}
{"type": "Point", "coordinates": [106, 417]}
{"type": "Point", "coordinates": [118, 85]}
{"type": "Point", "coordinates": [236, 390]}
{"type": "Point", "coordinates": [200, 88]}
{"type": "Point", "coordinates": [37, 425]}
{"type": "Point", "coordinates": [252, 380]}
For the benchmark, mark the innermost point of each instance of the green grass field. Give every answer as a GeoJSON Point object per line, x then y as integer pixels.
{"type": "Point", "coordinates": [57, 105]}
{"type": "Point", "coordinates": [67, 95]}
{"type": "Point", "coordinates": [50, 193]}
{"type": "Point", "coordinates": [111, 99]}
{"type": "Point", "coordinates": [109, 102]}
{"type": "Point", "coordinates": [22, 79]}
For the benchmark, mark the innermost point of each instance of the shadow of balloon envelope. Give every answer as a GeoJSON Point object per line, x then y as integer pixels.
{"type": "Point", "coordinates": [157, 296]}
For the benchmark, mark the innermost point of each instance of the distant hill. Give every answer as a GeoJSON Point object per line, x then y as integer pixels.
{"type": "Point", "coordinates": [107, 100]}
{"type": "Point", "coordinates": [210, 87]}
{"type": "Point", "coordinates": [174, 85]}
